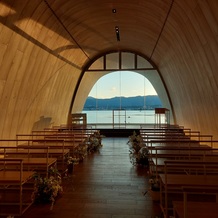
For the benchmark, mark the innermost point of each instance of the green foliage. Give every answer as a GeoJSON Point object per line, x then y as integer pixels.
{"type": "Point", "coordinates": [95, 141]}
{"type": "Point", "coordinates": [72, 160]}
{"type": "Point", "coordinates": [46, 190]}
{"type": "Point", "coordinates": [79, 152]}
{"type": "Point", "coordinates": [154, 183]}
{"type": "Point", "coordinates": [138, 151]}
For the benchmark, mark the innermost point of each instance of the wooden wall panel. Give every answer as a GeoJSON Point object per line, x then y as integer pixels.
{"type": "Point", "coordinates": [190, 64]}
{"type": "Point", "coordinates": [36, 86]}
{"type": "Point", "coordinates": [45, 45]}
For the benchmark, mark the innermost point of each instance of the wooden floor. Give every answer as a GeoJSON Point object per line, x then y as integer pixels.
{"type": "Point", "coordinates": [105, 185]}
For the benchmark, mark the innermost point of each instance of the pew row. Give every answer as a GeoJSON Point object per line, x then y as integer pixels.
{"type": "Point", "coordinates": [195, 209]}
{"type": "Point", "coordinates": [78, 150]}
{"type": "Point", "coordinates": [181, 142]}
{"type": "Point", "coordinates": [34, 158]}
{"type": "Point", "coordinates": [158, 154]}
{"type": "Point", "coordinates": [78, 142]}
{"type": "Point", "coordinates": [176, 137]}
{"type": "Point", "coordinates": [67, 140]}
{"type": "Point", "coordinates": [185, 173]}
{"type": "Point", "coordinates": [16, 187]}
{"type": "Point", "coordinates": [39, 165]}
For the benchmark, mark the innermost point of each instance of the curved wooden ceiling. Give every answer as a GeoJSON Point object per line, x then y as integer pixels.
{"type": "Point", "coordinates": [45, 45]}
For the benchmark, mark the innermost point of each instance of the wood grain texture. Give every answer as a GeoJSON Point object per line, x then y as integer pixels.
{"type": "Point", "coordinates": [46, 44]}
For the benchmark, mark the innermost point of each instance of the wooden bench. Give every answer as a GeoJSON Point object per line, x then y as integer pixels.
{"type": "Point", "coordinates": [159, 154]}
{"type": "Point", "coordinates": [16, 188]}
{"type": "Point", "coordinates": [60, 130]}
{"type": "Point", "coordinates": [57, 135]}
{"type": "Point", "coordinates": [39, 165]}
{"type": "Point", "coordinates": [156, 134]}
{"type": "Point", "coordinates": [33, 151]}
{"type": "Point", "coordinates": [25, 150]}
{"type": "Point", "coordinates": [195, 209]}
{"type": "Point", "coordinates": [170, 131]}
{"type": "Point", "coordinates": [171, 128]}
{"type": "Point", "coordinates": [76, 142]}
{"type": "Point", "coordinates": [191, 173]}
{"type": "Point", "coordinates": [181, 142]}
{"type": "Point", "coordinates": [63, 141]}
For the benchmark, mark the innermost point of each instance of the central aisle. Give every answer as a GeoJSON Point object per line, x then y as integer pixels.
{"type": "Point", "coordinates": [105, 185]}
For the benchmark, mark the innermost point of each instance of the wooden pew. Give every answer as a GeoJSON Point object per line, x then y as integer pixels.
{"type": "Point", "coordinates": [176, 136]}
{"type": "Point", "coordinates": [33, 151]}
{"type": "Point", "coordinates": [15, 188]}
{"type": "Point", "coordinates": [75, 134]}
{"type": "Point", "coordinates": [75, 140]}
{"type": "Point", "coordinates": [197, 208]}
{"type": "Point", "coordinates": [162, 128]}
{"type": "Point", "coordinates": [68, 141]}
{"type": "Point", "coordinates": [158, 154]}
{"type": "Point", "coordinates": [66, 129]}
{"type": "Point", "coordinates": [56, 144]}
{"type": "Point", "coordinates": [191, 173]}
{"type": "Point", "coordinates": [41, 164]}
{"type": "Point", "coordinates": [172, 132]}
{"type": "Point", "coordinates": [182, 143]}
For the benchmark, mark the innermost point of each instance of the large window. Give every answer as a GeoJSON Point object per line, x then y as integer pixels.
{"type": "Point", "coordinates": [122, 90]}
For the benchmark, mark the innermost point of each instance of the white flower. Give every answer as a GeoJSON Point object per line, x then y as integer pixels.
{"type": "Point", "coordinates": [151, 181]}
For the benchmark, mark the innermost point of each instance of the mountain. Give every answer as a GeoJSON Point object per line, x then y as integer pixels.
{"type": "Point", "coordinates": [128, 103]}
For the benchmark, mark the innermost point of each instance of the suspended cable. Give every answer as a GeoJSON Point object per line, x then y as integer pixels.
{"type": "Point", "coordinates": [165, 21]}
{"type": "Point", "coordinates": [65, 28]}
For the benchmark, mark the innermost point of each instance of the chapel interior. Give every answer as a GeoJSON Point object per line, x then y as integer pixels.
{"type": "Point", "coordinates": [52, 52]}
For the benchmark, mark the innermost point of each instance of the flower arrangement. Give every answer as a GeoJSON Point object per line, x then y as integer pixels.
{"type": "Point", "coordinates": [72, 160]}
{"type": "Point", "coordinates": [80, 151]}
{"type": "Point", "coordinates": [142, 157]}
{"type": "Point", "coordinates": [154, 189]}
{"type": "Point", "coordinates": [135, 142]}
{"type": "Point", "coordinates": [46, 190]}
{"type": "Point", "coordinates": [138, 151]}
{"type": "Point", "coordinates": [154, 184]}
{"type": "Point", "coordinates": [95, 141]}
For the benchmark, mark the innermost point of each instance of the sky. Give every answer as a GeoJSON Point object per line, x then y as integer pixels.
{"type": "Point", "coordinates": [124, 83]}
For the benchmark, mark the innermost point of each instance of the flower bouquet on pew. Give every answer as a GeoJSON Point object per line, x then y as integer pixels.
{"type": "Point", "coordinates": [46, 190]}
{"type": "Point", "coordinates": [154, 183]}
{"type": "Point", "coordinates": [80, 151]}
{"type": "Point", "coordinates": [71, 161]}
{"type": "Point", "coordinates": [94, 141]}
{"type": "Point", "coordinates": [154, 189]}
{"type": "Point", "coordinates": [139, 154]}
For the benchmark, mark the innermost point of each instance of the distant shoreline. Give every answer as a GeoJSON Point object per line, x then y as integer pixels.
{"type": "Point", "coordinates": [127, 109]}
{"type": "Point", "coordinates": [149, 102]}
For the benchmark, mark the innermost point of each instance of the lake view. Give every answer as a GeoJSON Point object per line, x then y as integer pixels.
{"type": "Point", "coordinates": [121, 116]}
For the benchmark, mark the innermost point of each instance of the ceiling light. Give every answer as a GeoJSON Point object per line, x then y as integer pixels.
{"type": "Point", "coordinates": [117, 33]}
